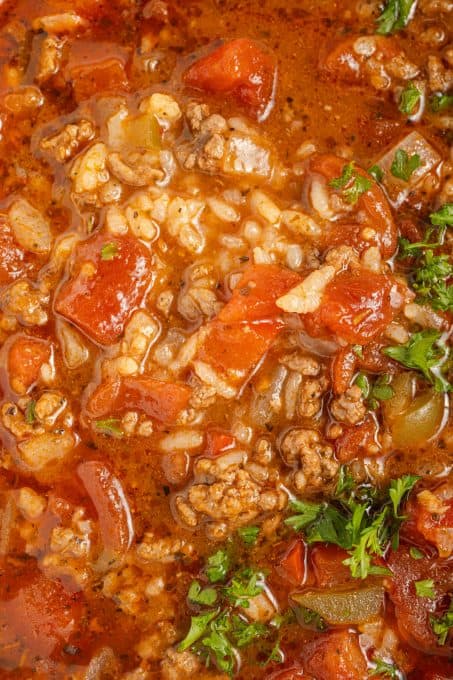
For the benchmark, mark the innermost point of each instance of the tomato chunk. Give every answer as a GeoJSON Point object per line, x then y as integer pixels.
{"type": "Point", "coordinates": [242, 68]}
{"type": "Point", "coordinates": [159, 400]}
{"type": "Point", "coordinates": [355, 441]}
{"type": "Point", "coordinates": [103, 291]}
{"type": "Point", "coordinates": [371, 210]}
{"type": "Point", "coordinates": [218, 441]}
{"type": "Point", "coordinates": [256, 293]}
{"type": "Point", "coordinates": [434, 518]}
{"type": "Point", "coordinates": [292, 564]}
{"type": "Point", "coordinates": [95, 67]}
{"type": "Point", "coordinates": [327, 561]}
{"type": "Point", "coordinates": [25, 357]}
{"type": "Point", "coordinates": [356, 306]}
{"type": "Point", "coordinates": [343, 369]}
{"type": "Point", "coordinates": [39, 611]}
{"type": "Point", "coordinates": [336, 655]}
{"type": "Point", "coordinates": [346, 65]}
{"type": "Point", "coordinates": [235, 350]}
{"type": "Point", "coordinates": [109, 499]}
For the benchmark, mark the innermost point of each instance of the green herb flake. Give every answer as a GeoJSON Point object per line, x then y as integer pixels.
{"type": "Point", "coordinates": [217, 567]}
{"type": "Point", "coordinates": [109, 426]}
{"type": "Point", "coordinates": [442, 625]}
{"type": "Point", "coordinates": [376, 172]}
{"type": "Point", "coordinates": [246, 633]}
{"type": "Point", "coordinates": [441, 102]}
{"type": "Point", "coordinates": [249, 534]}
{"type": "Point", "coordinates": [245, 584]}
{"type": "Point", "coordinates": [388, 670]}
{"type": "Point", "coordinates": [345, 482]}
{"type": "Point", "coordinates": [395, 16]}
{"type": "Point", "coordinates": [425, 352]}
{"type": "Point", "coordinates": [425, 588]}
{"type": "Point", "coordinates": [109, 251]}
{"type": "Point", "coordinates": [203, 596]}
{"type": "Point", "coordinates": [403, 165]}
{"type": "Point", "coordinates": [399, 490]}
{"type": "Point", "coordinates": [415, 553]}
{"type": "Point", "coordinates": [358, 351]}
{"type": "Point", "coordinates": [351, 183]}
{"type": "Point", "coordinates": [217, 641]}
{"type": "Point", "coordinates": [364, 384]}
{"type": "Point", "coordinates": [198, 627]}
{"type": "Point", "coordinates": [30, 412]}
{"type": "Point", "coordinates": [410, 97]}
{"type": "Point", "coordinates": [429, 280]}
{"type": "Point", "coordinates": [443, 217]}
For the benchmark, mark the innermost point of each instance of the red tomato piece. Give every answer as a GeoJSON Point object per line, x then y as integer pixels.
{"type": "Point", "coordinates": [336, 655]}
{"type": "Point", "coordinates": [237, 349]}
{"type": "Point", "coordinates": [96, 67]}
{"type": "Point", "coordinates": [218, 441]}
{"type": "Point", "coordinates": [242, 68]}
{"type": "Point", "coordinates": [40, 611]}
{"type": "Point", "coordinates": [12, 258]}
{"type": "Point", "coordinates": [161, 401]}
{"type": "Point", "coordinates": [345, 65]}
{"type": "Point", "coordinates": [101, 294]}
{"type": "Point", "coordinates": [109, 499]}
{"type": "Point", "coordinates": [343, 369]}
{"type": "Point", "coordinates": [355, 441]}
{"type": "Point", "coordinates": [292, 565]}
{"type": "Point", "coordinates": [25, 357]}
{"type": "Point", "coordinates": [328, 567]}
{"type": "Point", "coordinates": [256, 293]}
{"type": "Point", "coordinates": [434, 520]}
{"type": "Point", "coordinates": [432, 669]}
{"type": "Point", "coordinates": [372, 210]}
{"type": "Point", "coordinates": [356, 306]}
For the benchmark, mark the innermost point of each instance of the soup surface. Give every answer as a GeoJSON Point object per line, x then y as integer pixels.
{"type": "Point", "coordinates": [225, 306]}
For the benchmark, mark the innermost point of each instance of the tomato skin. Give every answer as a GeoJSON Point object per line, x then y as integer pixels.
{"type": "Point", "coordinates": [355, 440]}
{"type": "Point", "coordinates": [240, 67]}
{"type": "Point", "coordinates": [159, 400]}
{"type": "Point", "coordinates": [343, 64]}
{"type": "Point", "coordinates": [372, 206]}
{"type": "Point", "coordinates": [39, 611]}
{"type": "Point", "coordinates": [336, 655]}
{"type": "Point", "coordinates": [101, 295]}
{"type": "Point", "coordinates": [328, 567]}
{"type": "Point", "coordinates": [356, 306]}
{"type": "Point", "coordinates": [256, 293]}
{"type": "Point", "coordinates": [218, 441]}
{"type": "Point", "coordinates": [292, 564]}
{"type": "Point", "coordinates": [112, 508]}
{"type": "Point", "coordinates": [25, 358]}
{"type": "Point", "coordinates": [343, 369]}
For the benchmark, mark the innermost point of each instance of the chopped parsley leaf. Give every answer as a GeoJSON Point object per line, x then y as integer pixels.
{"type": "Point", "coordinates": [425, 352]}
{"type": "Point", "coordinates": [379, 390]}
{"type": "Point", "coordinates": [244, 585]}
{"type": "Point", "coordinates": [376, 172]}
{"type": "Point", "coordinates": [109, 251]}
{"type": "Point", "coordinates": [364, 384]}
{"type": "Point", "coordinates": [245, 633]}
{"type": "Point", "coordinates": [403, 165]}
{"type": "Point", "coordinates": [442, 625]}
{"type": "Point", "coordinates": [345, 482]}
{"type": "Point", "coordinates": [425, 588]}
{"type": "Point", "coordinates": [410, 97]}
{"type": "Point", "coordinates": [109, 426]}
{"type": "Point", "coordinates": [441, 102]}
{"type": "Point", "coordinates": [249, 534]}
{"type": "Point", "coordinates": [198, 626]}
{"type": "Point", "coordinates": [384, 668]}
{"type": "Point", "coordinates": [217, 641]}
{"type": "Point", "coordinates": [395, 16]}
{"type": "Point", "coordinates": [30, 412]}
{"type": "Point", "coordinates": [217, 567]}
{"type": "Point", "coordinates": [443, 217]}
{"type": "Point", "coordinates": [415, 553]}
{"type": "Point", "coordinates": [352, 183]}
{"type": "Point", "coordinates": [199, 595]}
{"type": "Point", "coordinates": [430, 278]}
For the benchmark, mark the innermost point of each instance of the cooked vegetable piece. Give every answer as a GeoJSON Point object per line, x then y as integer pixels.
{"type": "Point", "coordinates": [25, 358]}
{"type": "Point", "coordinates": [395, 16]}
{"type": "Point", "coordinates": [420, 422]}
{"type": "Point", "coordinates": [322, 658]}
{"type": "Point", "coordinates": [343, 608]}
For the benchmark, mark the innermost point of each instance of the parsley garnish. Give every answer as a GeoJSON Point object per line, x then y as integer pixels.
{"type": "Point", "coordinates": [345, 482]}
{"type": "Point", "coordinates": [442, 625]}
{"type": "Point", "coordinates": [30, 412]}
{"type": "Point", "coordinates": [410, 97]}
{"type": "Point", "coordinates": [310, 619]}
{"type": "Point", "coordinates": [395, 16]}
{"type": "Point", "coordinates": [109, 251]}
{"type": "Point", "coordinates": [360, 520]}
{"type": "Point", "coordinates": [244, 585]}
{"type": "Point", "coordinates": [199, 595]}
{"type": "Point", "coordinates": [376, 172]}
{"type": "Point", "coordinates": [426, 353]}
{"type": "Point", "coordinates": [379, 390]}
{"type": "Point", "coordinates": [441, 102]}
{"type": "Point", "coordinates": [198, 626]}
{"type": "Point", "coordinates": [381, 667]}
{"type": "Point", "coordinates": [352, 184]}
{"type": "Point", "coordinates": [415, 553]}
{"type": "Point", "coordinates": [217, 566]}
{"type": "Point", "coordinates": [425, 588]}
{"type": "Point", "coordinates": [404, 165]}
{"type": "Point", "coordinates": [109, 426]}
{"type": "Point", "coordinates": [249, 534]}
{"type": "Point", "coordinates": [245, 633]}
{"type": "Point", "coordinates": [443, 217]}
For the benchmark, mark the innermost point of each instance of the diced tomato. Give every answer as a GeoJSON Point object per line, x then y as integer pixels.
{"type": "Point", "coordinates": [112, 508]}
{"type": "Point", "coordinates": [435, 521]}
{"type": "Point", "coordinates": [328, 567]}
{"type": "Point", "coordinates": [96, 67]}
{"type": "Point", "coordinates": [12, 258]}
{"type": "Point", "coordinates": [336, 655]}
{"type": "Point", "coordinates": [355, 305]}
{"type": "Point", "coordinates": [432, 669]}
{"type": "Point", "coordinates": [242, 68]}
{"type": "Point", "coordinates": [345, 65]}
{"type": "Point", "coordinates": [102, 293]}
{"type": "Point", "coordinates": [343, 369]}
{"type": "Point", "coordinates": [413, 612]}
{"type": "Point", "coordinates": [355, 441]}
{"type": "Point", "coordinates": [292, 565]}
{"type": "Point", "coordinates": [38, 611]}
{"type": "Point", "coordinates": [161, 401]}
{"type": "Point", "coordinates": [235, 350]}
{"type": "Point", "coordinates": [256, 293]}
{"type": "Point", "coordinates": [25, 357]}
{"type": "Point", "coordinates": [218, 441]}
{"type": "Point", "coordinates": [372, 210]}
